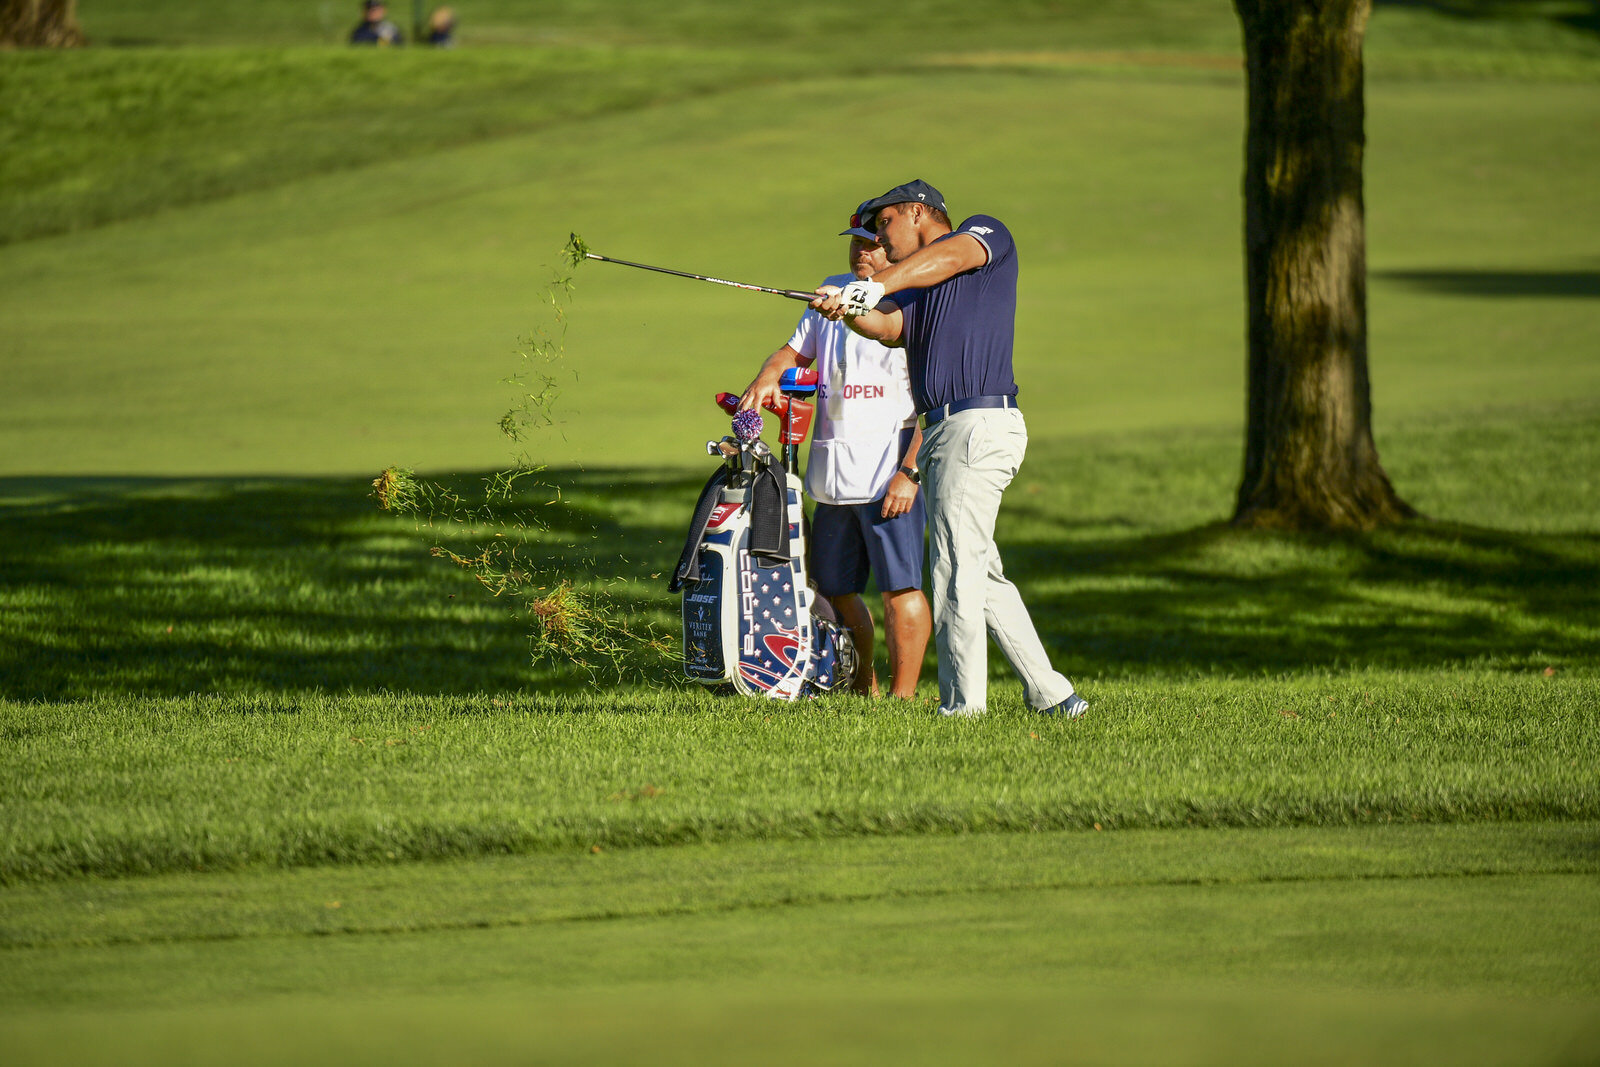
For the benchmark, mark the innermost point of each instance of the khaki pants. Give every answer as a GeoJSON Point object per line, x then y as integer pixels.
{"type": "Point", "coordinates": [967, 460]}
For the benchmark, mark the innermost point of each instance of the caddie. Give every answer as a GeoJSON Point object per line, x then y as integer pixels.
{"type": "Point", "coordinates": [862, 473]}
{"type": "Point", "coordinates": [952, 303]}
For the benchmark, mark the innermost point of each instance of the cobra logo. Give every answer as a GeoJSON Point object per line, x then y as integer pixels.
{"type": "Point", "coordinates": [783, 646]}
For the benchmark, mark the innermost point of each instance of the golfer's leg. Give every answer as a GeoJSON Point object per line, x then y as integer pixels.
{"type": "Point", "coordinates": [943, 452]}
{"type": "Point", "coordinates": [1009, 622]}
{"type": "Point", "coordinates": [961, 517]}
{"type": "Point", "coordinates": [932, 459]}
{"type": "Point", "coordinates": [1012, 629]}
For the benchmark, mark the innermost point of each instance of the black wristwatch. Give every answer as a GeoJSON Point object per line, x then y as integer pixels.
{"type": "Point", "coordinates": [913, 473]}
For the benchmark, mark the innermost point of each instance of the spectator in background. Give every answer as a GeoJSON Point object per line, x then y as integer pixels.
{"type": "Point", "coordinates": [375, 28]}
{"type": "Point", "coordinates": [442, 27]}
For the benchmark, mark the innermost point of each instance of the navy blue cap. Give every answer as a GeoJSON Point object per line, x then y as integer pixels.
{"type": "Point", "coordinates": [917, 191]}
{"type": "Point", "coordinates": [857, 229]}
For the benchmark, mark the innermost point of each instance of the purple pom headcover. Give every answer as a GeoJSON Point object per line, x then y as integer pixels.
{"type": "Point", "coordinates": [747, 425]}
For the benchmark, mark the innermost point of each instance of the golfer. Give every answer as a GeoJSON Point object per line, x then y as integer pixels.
{"type": "Point", "coordinates": [953, 305]}
{"type": "Point", "coordinates": [862, 472]}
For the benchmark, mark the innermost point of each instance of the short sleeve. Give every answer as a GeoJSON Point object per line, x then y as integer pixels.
{"type": "Point", "coordinates": [991, 232]}
{"type": "Point", "coordinates": [806, 334]}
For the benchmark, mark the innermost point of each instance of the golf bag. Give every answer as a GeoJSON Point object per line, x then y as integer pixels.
{"type": "Point", "coordinates": [752, 621]}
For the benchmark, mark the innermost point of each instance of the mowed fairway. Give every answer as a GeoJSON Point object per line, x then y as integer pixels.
{"type": "Point", "coordinates": [342, 324]}
{"type": "Point", "coordinates": [276, 786]}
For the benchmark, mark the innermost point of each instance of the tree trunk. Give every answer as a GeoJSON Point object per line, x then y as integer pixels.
{"type": "Point", "coordinates": [1310, 461]}
{"type": "Point", "coordinates": [39, 24]}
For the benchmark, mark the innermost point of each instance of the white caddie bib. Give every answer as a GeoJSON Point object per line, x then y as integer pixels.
{"type": "Point", "coordinates": [864, 401]}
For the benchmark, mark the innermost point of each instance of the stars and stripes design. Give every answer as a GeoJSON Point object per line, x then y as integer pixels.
{"type": "Point", "coordinates": [777, 636]}
{"type": "Point", "coordinates": [773, 646]}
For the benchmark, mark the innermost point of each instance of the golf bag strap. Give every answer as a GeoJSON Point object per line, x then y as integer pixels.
{"type": "Point", "coordinates": [769, 516]}
{"type": "Point", "coordinates": [689, 562]}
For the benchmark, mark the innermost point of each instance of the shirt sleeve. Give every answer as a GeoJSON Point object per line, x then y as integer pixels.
{"type": "Point", "coordinates": [804, 339]}
{"type": "Point", "coordinates": [991, 233]}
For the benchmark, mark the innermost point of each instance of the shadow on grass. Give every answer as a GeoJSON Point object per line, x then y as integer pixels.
{"type": "Point", "coordinates": [155, 586]}
{"type": "Point", "coordinates": [1215, 599]}
{"type": "Point", "coordinates": [166, 587]}
{"type": "Point", "coordinates": [1580, 15]}
{"type": "Point", "coordinates": [1481, 283]}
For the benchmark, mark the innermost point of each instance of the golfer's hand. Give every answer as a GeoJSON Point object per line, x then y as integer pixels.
{"type": "Point", "coordinates": [827, 302]}
{"type": "Point", "coordinates": [860, 297]}
{"type": "Point", "coordinates": [901, 495]}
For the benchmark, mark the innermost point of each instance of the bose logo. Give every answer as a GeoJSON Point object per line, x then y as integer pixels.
{"type": "Point", "coordinates": [980, 229]}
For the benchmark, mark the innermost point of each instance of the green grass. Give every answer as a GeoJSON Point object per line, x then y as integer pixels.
{"type": "Point", "coordinates": [590, 886]}
{"type": "Point", "coordinates": [122, 786]}
{"type": "Point", "coordinates": [1392, 945]}
{"type": "Point", "coordinates": [1459, 30]}
{"type": "Point", "coordinates": [346, 323]}
{"type": "Point", "coordinates": [278, 786]}
{"type": "Point", "coordinates": [95, 136]}
{"type": "Point", "coordinates": [1389, 944]}
{"type": "Point", "coordinates": [1439, 671]}
{"type": "Point", "coordinates": [786, 1021]}
{"type": "Point", "coordinates": [164, 587]}
{"type": "Point", "coordinates": [107, 133]}
{"type": "Point", "coordinates": [827, 26]}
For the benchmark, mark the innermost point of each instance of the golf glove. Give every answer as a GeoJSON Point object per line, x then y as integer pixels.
{"type": "Point", "coordinates": [859, 297]}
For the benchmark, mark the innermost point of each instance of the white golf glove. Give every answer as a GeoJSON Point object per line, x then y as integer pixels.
{"type": "Point", "coordinates": [860, 297]}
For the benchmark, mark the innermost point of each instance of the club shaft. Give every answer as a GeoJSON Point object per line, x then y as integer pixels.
{"type": "Point", "coordinates": [792, 294]}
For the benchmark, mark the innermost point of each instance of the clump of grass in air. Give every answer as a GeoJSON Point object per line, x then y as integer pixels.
{"type": "Point", "coordinates": [586, 628]}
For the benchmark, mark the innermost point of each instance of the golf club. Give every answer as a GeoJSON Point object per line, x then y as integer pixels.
{"type": "Point", "coordinates": [792, 294]}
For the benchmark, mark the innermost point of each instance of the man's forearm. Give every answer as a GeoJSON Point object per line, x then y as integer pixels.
{"type": "Point", "coordinates": [877, 326]}
{"type": "Point", "coordinates": [778, 362]}
{"type": "Point", "coordinates": [764, 386]}
{"type": "Point", "coordinates": [933, 263]}
{"type": "Point", "coordinates": [910, 457]}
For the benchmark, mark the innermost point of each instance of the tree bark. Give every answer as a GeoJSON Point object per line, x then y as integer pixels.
{"type": "Point", "coordinates": [39, 24]}
{"type": "Point", "coordinates": [1310, 461]}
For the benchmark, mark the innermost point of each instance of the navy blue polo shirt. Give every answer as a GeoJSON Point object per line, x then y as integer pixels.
{"type": "Point", "coordinates": [958, 334]}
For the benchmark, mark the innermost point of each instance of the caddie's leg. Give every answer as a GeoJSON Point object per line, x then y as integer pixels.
{"type": "Point", "coordinates": [1009, 622]}
{"type": "Point", "coordinates": [839, 566]}
{"type": "Point", "coordinates": [968, 469]}
{"type": "Point", "coordinates": [853, 612]}
{"type": "Point", "coordinates": [907, 624]}
{"type": "Point", "coordinates": [895, 547]}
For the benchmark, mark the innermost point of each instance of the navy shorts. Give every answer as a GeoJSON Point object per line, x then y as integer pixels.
{"type": "Point", "coordinates": [850, 541]}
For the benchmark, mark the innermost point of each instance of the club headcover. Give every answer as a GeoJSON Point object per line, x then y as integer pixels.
{"type": "Point", "coordinates": [796, 427]}
{"type": "Point", "coordinates": [799, 381]}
